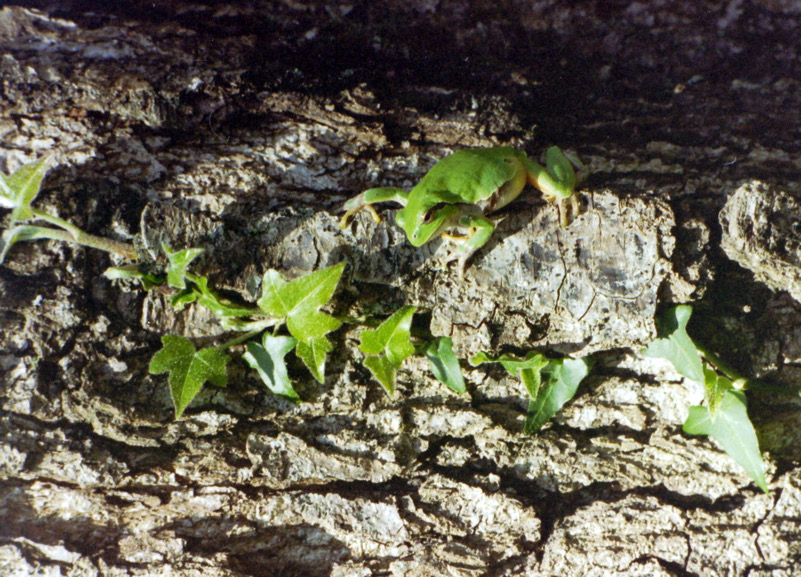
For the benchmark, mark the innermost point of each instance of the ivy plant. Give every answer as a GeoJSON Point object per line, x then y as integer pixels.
{"type": "Point", "coordinates": [289, 318]}
{"type": "Point", "coordinates": [388, 345]}
{"type": "Point", "coordinates": [188, 368]}
{"type": "Point", "coordinates": [724, 415]}
{"type": "Point", "coordinates": [550, 383]}
{"type": "Point", "coordinates": [294, 305]}
{"type": "Point", "coordinates": [18, 191]}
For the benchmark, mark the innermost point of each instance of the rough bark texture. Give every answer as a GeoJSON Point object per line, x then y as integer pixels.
{"type": "Point", "coordinates": [241, 127]}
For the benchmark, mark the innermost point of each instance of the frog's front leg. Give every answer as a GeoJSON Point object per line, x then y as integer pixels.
{"type": "Point", "coordinates": [558, 180]}
{"type": "Point", "coordinates": [555, 157]}
{"type": "Point", "coordinates": [369, 197]}
{"type": "Point", "coordinates": [562, 205]}
{"type": "Point", "coordinates": [480, 229]}
{"type": "Point", "coordinates": [581, 170]}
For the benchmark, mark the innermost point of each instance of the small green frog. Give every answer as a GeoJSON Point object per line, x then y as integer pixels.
{"type": "Point", "coordinates": [462, 188]}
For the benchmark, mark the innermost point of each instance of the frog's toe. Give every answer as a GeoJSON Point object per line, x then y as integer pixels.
{"type": "Point", "coordinates": [373, 213]}
{"type": "Point", "coordinates": [462, 263]}
{"type": "Point", "coordinates": [563, 210]}
{"type": "Point", "coordinates": [549, 198]}
{"type": "Point", "coordinates": [457, 238]}
{"type": "Point", "coordinates": [574, 203]}
{"type": "Point", "coordinates": [461, 267]}
{"type": "Point", "coordinates": [568, 212]}
{"type": "Point", "coordinates": [351, 209]}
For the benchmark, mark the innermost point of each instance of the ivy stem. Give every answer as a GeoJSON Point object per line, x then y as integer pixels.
{"type": "Point", "coordinates": [731, 373]}
{"type": "Point", "coordinates": [357, 321]}
{"type": "Point", "coordinates": [240, 339]}
{"type": "Point", "coordinates": [72, 233]}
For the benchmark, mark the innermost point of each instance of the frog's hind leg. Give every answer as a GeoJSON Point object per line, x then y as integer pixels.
{"type": "Point", "coordinates": [369, 197]}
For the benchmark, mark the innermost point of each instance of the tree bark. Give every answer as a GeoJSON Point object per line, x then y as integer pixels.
{"type": "Point", "coordinates": [241, 128]}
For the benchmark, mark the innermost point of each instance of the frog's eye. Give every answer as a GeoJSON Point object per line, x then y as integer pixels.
{"type": "Point", "coordinates": [432, 213]}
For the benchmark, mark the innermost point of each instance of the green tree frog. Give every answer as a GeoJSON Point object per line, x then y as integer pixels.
{"type": "Point", "coordinates": [463, 187]}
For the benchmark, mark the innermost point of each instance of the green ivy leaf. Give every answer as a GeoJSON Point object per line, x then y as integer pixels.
{"type": "Point", "coordinates": [715, 389]}
{"type": "Point", "coordinates": [298, 301]}
{"type": "Point", "coordinates": [132, 271]}
{"type": "Point", "coordinates": [21, 233]}
{"type": "Point", "coordinates": [546, 396]}
{"type": "Point", "coordinates": [563, 377]}
{"type": "Point", "coordinates": [391, 338]}
{"type": "Point", "coordinates": [313, 356]}
{"type": "Point", "coordinates": [179, 262]}
{"type": "Point", "coordinates": [180, 299]}
{"type": "Point", "coordinates": [389, 344]}
{"type": "Point", "coordinates": [19, 190]}
{"type": "Point", "coordinates": [527, 369]}
{"type": "Point", "coordinates": [384, 372]}
{"type": "Point", "coordinates": [675, 345]}
{"type": "Point", "coordinates": [268, 361]}
{"type": "Point", "coordinates": [444, 364]}
{"type": "Point", "coordinates": [188, 369]}
{"type": "Point", "coordinates": [733, 430]}
{"type": "Point", "coordinates": [220, 306]}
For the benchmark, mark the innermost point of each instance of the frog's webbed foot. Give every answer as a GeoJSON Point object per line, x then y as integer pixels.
{"type": "Point", "coordinates": [582, 172]}
{"type": "Point", "coordinates": [458, 260]}
{"type": "Point", "coordinates": [464, 253]}
{"type": "Point", "coordinates": [461, 265]}
{"type": "Point", "coordinates": [365, 200]}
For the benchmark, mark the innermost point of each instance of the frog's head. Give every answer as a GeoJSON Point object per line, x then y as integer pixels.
{"type": "Point", "coordinates": [422, 219]}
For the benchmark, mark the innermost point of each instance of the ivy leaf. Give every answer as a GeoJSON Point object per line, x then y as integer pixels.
{"type": "Point", "coordinates": [384, 371]}
{"type": "Point", "coordinates": [527, 369]}
{"type": "Point", "coordinates": [19, 190]}
{"type": "Point", "coordinates": [675, 344]}
{"type": "Point", "coordinates": [725, 418]}
{"type": "Point", "coordinates": [546, 396]}
{"type": "Point", "coordinates": [309, 325]}
{"type": "Point", "coordinates": [220, 306]}
{"type": "Point", "coordinates": [313, 355]}
{"type": "Point", "coordinates": [389, 344]}
{"type": "Point", "coordinates": [132, 271]}
{"type": "Point", "coordinates": [21, 233]}
{"type": "Point", "coordinates": [268, 361]}
{"type": "Point", "coordinates": [179, 262]}
{"type": "Point", "coordinates": [733, 430]}
{"type": "Point", "coordinates": [188, 369]}
{"type": "Point", "coordinates": [391, 338]}
{"type": "Point", "coordinates": [444, 364]}
{"type": "Point", "coordinates": [715, 389]}
{"type": "Point", "coordinates": [298, 301]}
{"type": "Point", "coordinates": [182, 298]}
{"type": "Point", "coordinates": [563, 377]}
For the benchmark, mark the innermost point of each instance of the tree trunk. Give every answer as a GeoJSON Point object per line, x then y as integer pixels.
{"type": "Point", "coordinates": [241, 129]}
